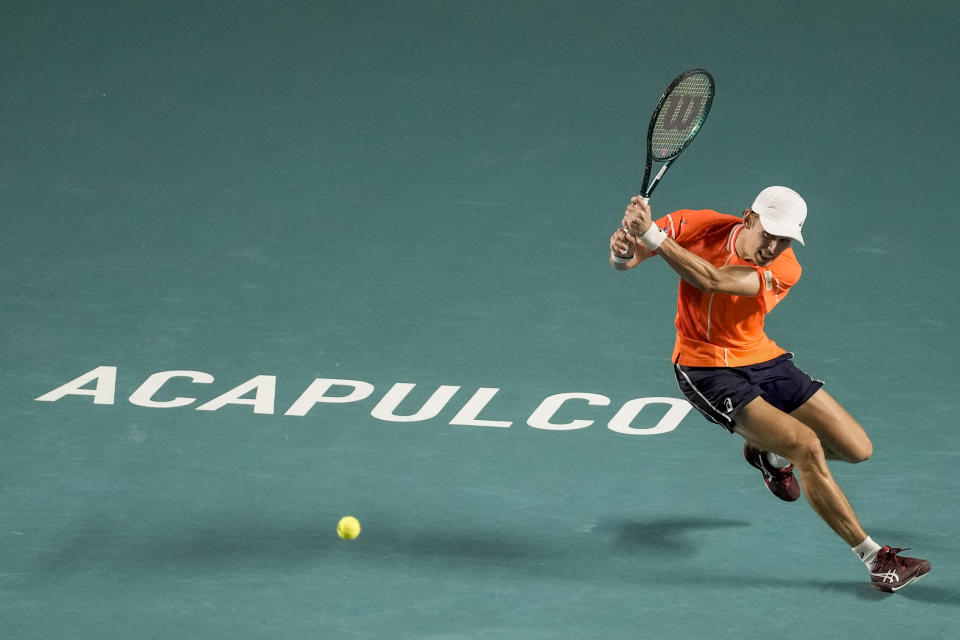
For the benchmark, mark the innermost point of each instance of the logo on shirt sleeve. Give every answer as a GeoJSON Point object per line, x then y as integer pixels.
{"type": "Point", "coordinates": [768, 280]}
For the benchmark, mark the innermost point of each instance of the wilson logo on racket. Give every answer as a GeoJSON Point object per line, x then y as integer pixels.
{"type": "Point", "coordinates": [681, 112]}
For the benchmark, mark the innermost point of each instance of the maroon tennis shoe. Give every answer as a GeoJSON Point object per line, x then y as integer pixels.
{"type": "Point", "coordinates": [781, 482]}
{"type": "Point", "coordinates": [892, 572]}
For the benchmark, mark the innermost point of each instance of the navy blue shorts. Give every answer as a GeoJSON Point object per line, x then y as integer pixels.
{"type": "Point", "coordinates": [720, 392]}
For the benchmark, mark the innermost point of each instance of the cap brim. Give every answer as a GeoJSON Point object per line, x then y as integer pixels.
{"type": "Point", "coordinates": [782, 230]}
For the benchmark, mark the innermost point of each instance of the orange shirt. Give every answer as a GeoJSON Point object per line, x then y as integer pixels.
{"type": "Point", "coordinates": [718, 329]}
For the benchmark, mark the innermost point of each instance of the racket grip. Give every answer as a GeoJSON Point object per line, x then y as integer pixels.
{"type": "Point", "coordinates": [645, 200]}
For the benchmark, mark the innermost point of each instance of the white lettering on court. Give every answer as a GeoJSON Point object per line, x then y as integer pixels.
{"type": "Point", "coordinates": [143, 396]}
{"type": "Point", "coordinates": [467, 416]}
{"type": "Point", "coordinates": [317, 392]}
{"type": "Point", "coordinates": [265, 388]}
{"type": "Point", "coordinates": [106, 378]}
{"type": "Point", "coordinates": [388, 404]}
{"type": "Point", "coordinates": [540, 419]}
{"type": "Point", "coordinates": [630, 410]}
{"type": "Point", "coordinates": [260, 393]}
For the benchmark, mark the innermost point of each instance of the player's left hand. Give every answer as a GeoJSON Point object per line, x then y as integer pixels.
{"type": "Point", "coordinates": [637, 218]}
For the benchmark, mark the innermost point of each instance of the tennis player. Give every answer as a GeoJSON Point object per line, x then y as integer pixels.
{"type": "Point", "coordinates": [733, 272]}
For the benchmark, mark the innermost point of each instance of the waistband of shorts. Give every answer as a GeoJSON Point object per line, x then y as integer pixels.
{"type": "Point", "coordinates": [694, 353]}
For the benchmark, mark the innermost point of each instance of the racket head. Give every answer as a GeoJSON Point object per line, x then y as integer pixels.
{"type": "Point", "coordinates": [679, 115]}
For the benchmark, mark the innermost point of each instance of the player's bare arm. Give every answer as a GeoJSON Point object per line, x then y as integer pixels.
{"type": "Point", "coordinates": [731, 279]}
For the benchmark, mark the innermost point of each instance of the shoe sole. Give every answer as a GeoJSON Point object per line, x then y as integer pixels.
{"type": "Point", "coordinates": [905, 584]}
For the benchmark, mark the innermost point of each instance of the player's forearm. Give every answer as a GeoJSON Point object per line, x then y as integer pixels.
{"type": "Point", "coordinates": [736, 280]}
{"type": "Point", "coordinates": [691, 267]}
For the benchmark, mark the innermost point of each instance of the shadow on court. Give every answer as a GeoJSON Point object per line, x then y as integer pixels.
{"type": "Point", "coordinates": [199, 546]}
{"type": "Point", "coordinates": [666, 535]}
{"type": "Point", "coordinates": [230, 542]}
{"type": "Point", "coordinates": [218, 543]}
{"type": "Point", "coordinates": [615, 550]}
{"type": "Point", "coordinates": [230, 539]}
{"type": "Point", "coordinates": [924, 591]}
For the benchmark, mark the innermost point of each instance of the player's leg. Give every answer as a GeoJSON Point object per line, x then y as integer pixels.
{"type": "Point", "coordinates": [770, 429]}
{"type": "Point", "coordinates": [842, 437]}
{"type": "Point", "coordinates": [730, 400]}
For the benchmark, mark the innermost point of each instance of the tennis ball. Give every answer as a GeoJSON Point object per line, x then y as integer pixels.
{"type": "Point", "coordinates": [348, 528]}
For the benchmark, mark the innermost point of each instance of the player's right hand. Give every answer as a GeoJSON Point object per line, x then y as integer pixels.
{"type": "Point", "coordinates": [622, 243]}
{"type": "Point", "coordinates": [638, 217]}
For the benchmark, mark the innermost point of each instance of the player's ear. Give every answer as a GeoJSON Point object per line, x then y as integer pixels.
{"type": "Point", "coordinates": [749, 218]}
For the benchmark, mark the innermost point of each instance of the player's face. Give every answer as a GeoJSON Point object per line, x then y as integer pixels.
{"type": "Point", "coordinates": [770, 247]}
{"type": "Point", "coordinates": [762, 248]}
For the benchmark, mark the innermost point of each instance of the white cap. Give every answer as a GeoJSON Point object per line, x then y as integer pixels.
{"type": "Point", "coordinates": [782, 212]}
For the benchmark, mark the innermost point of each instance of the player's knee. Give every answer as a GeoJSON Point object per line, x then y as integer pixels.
{"type": "Point", "coordinates": [861, 451]}
{"type": "Point", "coordinates": [808, 451]}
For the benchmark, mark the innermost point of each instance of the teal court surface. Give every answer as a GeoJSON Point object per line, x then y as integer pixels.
{"type": "Point", "coordinates": [269, 264]}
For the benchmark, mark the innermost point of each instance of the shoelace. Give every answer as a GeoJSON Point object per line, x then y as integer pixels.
{"type": "Point", "coordinates": [892, 553]}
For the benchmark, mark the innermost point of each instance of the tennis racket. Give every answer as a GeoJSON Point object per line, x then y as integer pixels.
{"type": "Point", "coordinates": [675, 122]}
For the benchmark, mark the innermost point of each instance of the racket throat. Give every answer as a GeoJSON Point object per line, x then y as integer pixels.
{"type": "Point", "coordinates": [660, 173]}
{"type": "Point", "coordinates": [653, 183]}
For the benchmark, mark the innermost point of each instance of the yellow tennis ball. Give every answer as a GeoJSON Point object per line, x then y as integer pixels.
{"type": "Point", "coordinates": [348, 528]}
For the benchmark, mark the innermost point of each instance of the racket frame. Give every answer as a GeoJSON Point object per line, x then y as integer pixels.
{"type": "Point", "coordinates": [647, 187]}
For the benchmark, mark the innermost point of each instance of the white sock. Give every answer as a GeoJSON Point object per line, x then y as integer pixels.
{"type": "Point", "coordinates": [867, 551]}
{"type": "Point", "coordinates": [776, 461]}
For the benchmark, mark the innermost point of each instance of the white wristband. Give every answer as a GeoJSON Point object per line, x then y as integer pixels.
{"type": "Point", "coordinates": [620, 259]}
{"type": "Point", "coordinates": [653, 237]}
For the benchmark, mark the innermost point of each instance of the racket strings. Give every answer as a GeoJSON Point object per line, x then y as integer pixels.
{"type": "Point", "coordinates": [683, 112]}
